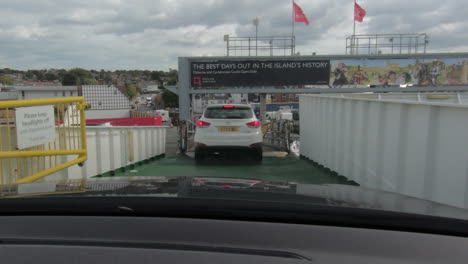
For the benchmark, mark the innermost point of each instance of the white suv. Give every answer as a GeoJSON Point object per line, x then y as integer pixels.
{"type": "Point", "coordinates": [226, 129]}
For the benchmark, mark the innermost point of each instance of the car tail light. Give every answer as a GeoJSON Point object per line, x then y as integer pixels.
{"type": "Point", "coordinates": [200, 144]}
{"type": "Point", "coordinates": [253, 124]}
{"type": "Point", "coordinates": [201, 123]}
{"type": "Point", "coordinates": [228, 106]}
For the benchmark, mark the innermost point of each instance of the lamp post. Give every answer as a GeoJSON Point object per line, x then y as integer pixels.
{"type": "Point", "coordinates": [226, 39]}
{"type": "Point", "coordinates": [271, 47]}
{"type": "Point", "coordinates": [256, 22]}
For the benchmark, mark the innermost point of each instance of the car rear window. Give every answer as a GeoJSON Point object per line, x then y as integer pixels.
{"type": "Point", "coordinates": [228, 113]}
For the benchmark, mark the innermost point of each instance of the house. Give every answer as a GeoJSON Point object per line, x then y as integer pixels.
{"type": "Point", "coordinates": [106, 101]}
{"type": "Point", "coordinates": [8, 93]}
{"type": "Point", "coordinates": [40, 92]}
{"type": "Point", "coordinates": [34, 83]}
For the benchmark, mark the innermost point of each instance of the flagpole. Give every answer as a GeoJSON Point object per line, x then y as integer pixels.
{"type": "Point", "coordinates": [354, 30]}
{"type": "Point", "coordinates": [292, 33]}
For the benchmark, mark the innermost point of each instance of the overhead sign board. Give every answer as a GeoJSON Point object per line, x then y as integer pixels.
{"type": "Point", "coordinates": [35, 126]}
{"type": "Point", "coordinates": [259, 73]}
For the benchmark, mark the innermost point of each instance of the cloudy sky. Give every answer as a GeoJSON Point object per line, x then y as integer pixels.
{"type": "Point", "coordinates": [138, 34]}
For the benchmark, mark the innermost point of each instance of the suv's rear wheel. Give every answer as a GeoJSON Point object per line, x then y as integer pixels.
{"type": "Point", "coordinates": [199, 156]}
{"type": "Point", "coordinates": [257, 153]}
{"type": "Point", "coordinates": [258, 157]}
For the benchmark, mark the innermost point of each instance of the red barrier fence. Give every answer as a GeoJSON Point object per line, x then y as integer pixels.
{"type": "Point", "coordinates": [143, 121]}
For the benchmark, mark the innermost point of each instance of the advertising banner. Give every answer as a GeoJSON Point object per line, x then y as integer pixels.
{"type": "Point", "coordinates": [259, 73]}
{"type": "Point", "coordinates": [421, 72]}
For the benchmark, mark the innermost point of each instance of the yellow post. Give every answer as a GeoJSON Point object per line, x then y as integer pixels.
{"type": "Point", "coordinates": [81, 107]}
{"type": "Point", "coordinates": [1, 160]}
{"type": "Point", "coordinates": [8, 143]}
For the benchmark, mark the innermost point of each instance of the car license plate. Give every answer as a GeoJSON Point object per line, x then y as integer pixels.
{"type": "Point", "coordinates": [228, 129]}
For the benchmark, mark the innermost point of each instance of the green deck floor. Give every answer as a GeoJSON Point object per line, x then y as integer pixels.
{"type": "Point", "coordinates": [288, 169]}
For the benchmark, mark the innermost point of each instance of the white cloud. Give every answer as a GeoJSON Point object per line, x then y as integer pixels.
{"type": "Point", "coordinates": [118, 34]}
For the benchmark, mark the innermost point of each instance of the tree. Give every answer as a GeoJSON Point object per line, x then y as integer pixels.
{"type": "Point", "coordinates": [6, 80]}
{"type": "Point", "coordinates": [5, 71]}
{"type": "Point", "coordinates": [139, 89]}
{"type": "Point", "coordinates": [107, 78]}
{"type": "Point", "coordinates": [89, 81]}
{"type": "Point", "coordinates": [39, 75]}
{"type": "Point", "coordinates": [29, 75]}
{"type": "Point", "coordinates": [156, 76]}
{"type": "Point", "coordinates": [50, 76]}
{"type": "Point", "coordinates": [132, 90]}
{"type": "Point", "coordinates": [60, 73]}
{"type": "Point", "coordinates": [69, 79]}
{"type": "Point", "coordinates": [172, 81]}
{"type": "Point", "coordinates": [172, 77]}
{"type": "Point", "coordinates": [170, 99]}
{"type": "Point", "coordinates": [146, 74]}
{"type": "Point", "coordinates": [78, 76]}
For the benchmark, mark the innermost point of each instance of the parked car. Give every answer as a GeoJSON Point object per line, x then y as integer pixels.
{"type": "Point", "coordinates": [226, 129]}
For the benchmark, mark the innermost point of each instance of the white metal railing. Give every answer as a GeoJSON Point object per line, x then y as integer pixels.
{"type": "Point", "coordinates": [114, 148]}
{"type": "Point", "coordinates": [429, 97]}
{"type": "Point", "coordinates": [419, 149]}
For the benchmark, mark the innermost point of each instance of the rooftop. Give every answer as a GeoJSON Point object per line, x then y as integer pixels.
{"type": "Point", "coordinates": [45, 88]}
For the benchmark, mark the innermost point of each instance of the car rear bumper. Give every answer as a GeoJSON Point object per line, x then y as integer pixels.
{"type": "Point", "coordinates": [234, 140]}
{"type": "Point", "coordinates": [255, 148]}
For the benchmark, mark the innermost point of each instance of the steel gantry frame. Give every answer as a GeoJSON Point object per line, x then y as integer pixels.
{"type": "Point", "coordinates": [185, 89]}
{"type": "Point", "coordinates": [387, 44]}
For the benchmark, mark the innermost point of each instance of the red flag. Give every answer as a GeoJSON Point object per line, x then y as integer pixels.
{"type": "Point", "coordinates": [359, 12]}
{"type": "Point", "coordinates": [299, 16]}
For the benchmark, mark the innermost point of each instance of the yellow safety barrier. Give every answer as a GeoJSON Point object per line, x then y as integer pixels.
{"type": "Point", "coordinates": [38, 138]}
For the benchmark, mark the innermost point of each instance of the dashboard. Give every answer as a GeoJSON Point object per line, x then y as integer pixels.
{"type": "Point", "coordinates": [129, 239]}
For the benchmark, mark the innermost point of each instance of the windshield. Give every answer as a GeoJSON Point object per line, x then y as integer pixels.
{"type": "Point", "coordinates": [228, 113]}
{"type": "Point", "coordinates": [349, 104]}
